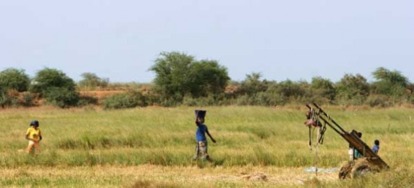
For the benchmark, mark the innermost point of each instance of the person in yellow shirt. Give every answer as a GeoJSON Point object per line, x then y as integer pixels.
{"type": "Point", "coordinates": [34, 135]}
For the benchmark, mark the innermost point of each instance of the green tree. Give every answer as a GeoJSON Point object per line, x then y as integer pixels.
{"type": "Point", "coordinates": [14, 79]}
{"type": "Point", "coordinates": [4, 98]}
{"type": "Point", "coordinates": [389, 83]}
{"type": "Point", "coordinates": [290, 91]}
{"type": "Point", "coordinates": [323, 88]}
{"type": "Point", "coordinates": [253, 84]}
{"type": "Point", "coordinates": [91, 80]}
{"type": "Point", "coordinates": [352, 89]}
{"type": "Point", "coordinates": [61, 97]}
{"type": "Point", "coordinates": [208, 78]}
{"type": "Point", "coordinates": [55, 87]}
{"type": "Point", "coordinates": [179, 74]}
{"type": "Point", "coordinates": [172, 72]}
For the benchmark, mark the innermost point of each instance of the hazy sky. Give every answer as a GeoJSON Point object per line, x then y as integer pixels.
{"type": "Point", "coordinates": [289, 39]}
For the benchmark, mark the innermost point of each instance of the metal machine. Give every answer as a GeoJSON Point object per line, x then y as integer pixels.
{"type": "Point", "coordinates": [369, 162]}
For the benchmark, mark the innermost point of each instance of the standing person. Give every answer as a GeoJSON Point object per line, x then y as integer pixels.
{"type": "Point", "coordinates": [201, 147]}
{"type": "Point", "coordinates": [376, 146]}
{"type": "Point", "coordinates": [34, 135]}
{"type": "Point", "coordinates": [351, 152]}
{"type": "Point", "coordinates": [357, 154]}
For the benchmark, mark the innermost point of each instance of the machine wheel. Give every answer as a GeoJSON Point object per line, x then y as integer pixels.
{"type": "Point", "coordinates": [357, 168]}
{"type": "Point", "coordinates": [345, 170]}
{"type": "Point", "coordinates": [361, 167]}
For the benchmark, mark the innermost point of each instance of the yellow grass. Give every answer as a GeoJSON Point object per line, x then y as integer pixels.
{"type": "Point", "coordinates": [99, 176]}
{"type": "Point", "coordinates": [152, 147]}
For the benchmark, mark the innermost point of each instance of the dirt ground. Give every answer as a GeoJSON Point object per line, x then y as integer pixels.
{"type": "Point", "coordinates": [126, 176]}
{"type": "Point", "coordinates": [101, 94]}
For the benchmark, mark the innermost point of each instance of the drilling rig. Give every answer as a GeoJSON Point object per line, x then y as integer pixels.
{"type": "Point", "coordinates": [368, 162]}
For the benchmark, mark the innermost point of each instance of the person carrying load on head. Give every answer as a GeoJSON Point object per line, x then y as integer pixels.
{"type": "Point", "coordinates": [34, 135]}
{"type": "Point", "coordinates": [200, 135]}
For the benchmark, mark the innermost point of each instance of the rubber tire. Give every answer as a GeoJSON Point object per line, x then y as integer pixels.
{"type": "Point", "coordinates": [345, 170]}
{"type": "Point", "coordinates": [361, 167]}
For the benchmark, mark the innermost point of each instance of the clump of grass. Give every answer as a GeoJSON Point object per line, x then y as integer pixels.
{"type": "Point", "coordinates": [313, 182]}
{"type": "Point", "coordinates": [263, 157]}
{"type": "Point", "coordinates": [262, 132]}
{"type": "Point", "coordinates": [68, 143]}
{"type": "Point", "coordinates": [153, 184]}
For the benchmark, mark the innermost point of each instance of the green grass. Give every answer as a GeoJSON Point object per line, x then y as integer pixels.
{"type": "Point", "coordinates": [246, 136]}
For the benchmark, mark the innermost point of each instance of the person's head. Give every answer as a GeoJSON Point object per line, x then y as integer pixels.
{"type": "Point", "coordinates": [200, 115]}
{"type": "Point", "coordinates": [377, 142]}
{"type": "Point", "coordinates": [34, 123]}
{"type": "Point", "coordinates": [200, 119]}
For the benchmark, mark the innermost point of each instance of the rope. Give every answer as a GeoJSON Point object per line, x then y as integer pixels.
{"type": "Point", "coordinates": [316, 157]}
{"type": "Point", "coordinates": [316, 161]}
{"type": "Point", "coordinates": [319, 138]}
{"type": "Point", "coordinates": [322, 131]}
{"type": "Point", "coordinates": [310, 138]}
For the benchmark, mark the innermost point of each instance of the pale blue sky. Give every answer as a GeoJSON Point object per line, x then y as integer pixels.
{"type": "Point", "coordinates": [289, 39]}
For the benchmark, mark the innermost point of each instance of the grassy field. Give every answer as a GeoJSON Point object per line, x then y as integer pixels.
{"type": "Point", "coordinates": [153, 147]}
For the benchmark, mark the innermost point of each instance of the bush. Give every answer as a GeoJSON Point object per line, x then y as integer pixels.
{"type": "Point", "coordinates": [13, 97]}
{"type": "Point", "coordinates": [27, 99]}
{"type": "Point", "coordinates": [125, 100]}
{"type": "Point", "coordinates": [378, 101]}
{"type": "Point", "coordinates": [87, 100]}
{"type": "Point", "coordinates": [14, 79]}
{"type": "Point", "coordinates": [243, 100]}
{"type": "Point", "coordinates": [51, 78]}
{"type": "Point", "coordinates": [61, 97]}
{"type": "Point", "coordinates": [4, 98]}
{"type": "Point", "coordinates": [201, 101]}
{"type": "Point", "coordinates": [9, 98]}
{"type": "Point", "coordinates": [92, 81]}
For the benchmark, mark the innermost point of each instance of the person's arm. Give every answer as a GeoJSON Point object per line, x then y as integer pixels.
{"type": "Point", "coordinates": [40, 135]}
{"type": "Point", "coordinates": [27, 134]}
{"type": "Point", "coordinates": [211, 137]}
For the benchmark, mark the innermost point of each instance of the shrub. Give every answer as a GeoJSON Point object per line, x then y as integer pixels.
{"type": "Point", "coordinates": [378, 101]}
{"type": "Point", "coordinates": [61, 97]}
{"type": "Point", "coordinates": [13, 97]}
{"type": "Point", "coordinates": [27, 99]}
{"type": "Point", "coordinates": [48, 78]}
{"type": "Point", "coordinates": [91, 80]}
{"type": "Point", "coordinates": [14, 79]}
{"type": "Point", "coordinates": [125, 100]}
{"type": "Point", "coordinates": [4, 98]}
{"type": "Point", "coordinates": [57, 88]}
{"type": "Point", "coordinates": [201, 101]}
{"type": "Point", "coordinates": [87, 100]}
{"type": "Point", "coordinates": [9, 98]}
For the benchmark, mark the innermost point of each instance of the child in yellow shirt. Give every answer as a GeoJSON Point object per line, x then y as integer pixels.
{"type": "Point", "coordinates": [34, 136]}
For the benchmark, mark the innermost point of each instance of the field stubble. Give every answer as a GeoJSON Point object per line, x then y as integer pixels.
{"type": "Point", "coordinates": [174, 176]}
{"type": "Point", "coordinates": [144, 147]}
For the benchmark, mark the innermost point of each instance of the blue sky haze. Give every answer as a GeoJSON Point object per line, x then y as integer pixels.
{"type": "Point", "coordinates": [295, 39]}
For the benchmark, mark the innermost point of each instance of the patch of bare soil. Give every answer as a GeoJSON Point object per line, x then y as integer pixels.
{"type": "Point", "coordinates": [101, 94]}
{"type": "Point", "coordinates": [181, 176]}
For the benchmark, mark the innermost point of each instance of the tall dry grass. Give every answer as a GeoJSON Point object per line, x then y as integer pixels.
{"type": "Point", "coordinates": [247, 136]}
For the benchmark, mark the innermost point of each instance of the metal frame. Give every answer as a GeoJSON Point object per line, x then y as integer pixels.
{"type": "Point", "coordinates": [350, 137]}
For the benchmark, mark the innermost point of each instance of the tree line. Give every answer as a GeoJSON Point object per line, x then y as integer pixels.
{"type": "Point", "coordinates": [183, 80]}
